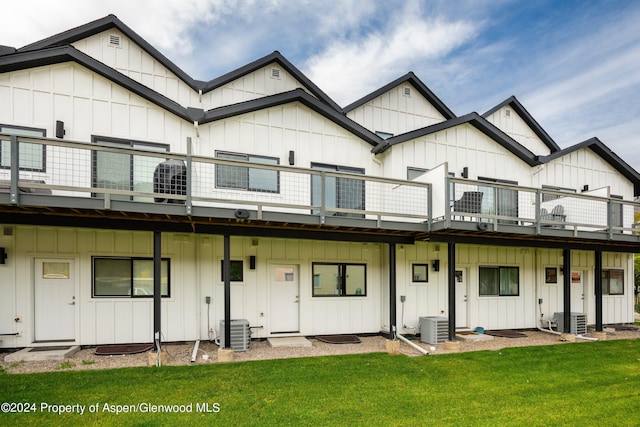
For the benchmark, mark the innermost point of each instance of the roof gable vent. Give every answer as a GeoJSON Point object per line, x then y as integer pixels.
{"type": "Point", "coordinates": [406, 91]}
{"type": "Point", "coordinates": [275, 73]}
{"type": "Point", "coordinates": [114, 40]}
{"type": "Point", "coordinates": [507, 112]}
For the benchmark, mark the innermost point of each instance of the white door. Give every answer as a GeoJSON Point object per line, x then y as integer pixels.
{"type": "Point", "coordinates": [284, 296]}
{"type": "Point", "coordinates": [461, 298]}
{"type": "Point", "coordinates": [55, 300]}
{"type": "Point", "coordinates": [577, 292]}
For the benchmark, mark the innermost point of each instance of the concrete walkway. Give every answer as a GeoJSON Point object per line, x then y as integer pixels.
{"type": "Point", "coordinates": [34, 354]}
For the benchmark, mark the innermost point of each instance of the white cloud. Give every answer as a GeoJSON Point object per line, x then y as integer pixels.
{"type": "Point", "coordinates": [349, 69]}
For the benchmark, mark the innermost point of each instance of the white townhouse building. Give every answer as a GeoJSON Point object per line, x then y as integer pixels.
{"type": "Point", "coordinates": [135, 201]}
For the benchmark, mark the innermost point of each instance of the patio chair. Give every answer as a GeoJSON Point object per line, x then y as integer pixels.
{"type": "Point", "coordinates": [557, 215]}
{"type": "Point", "coordinates": [469, 203]}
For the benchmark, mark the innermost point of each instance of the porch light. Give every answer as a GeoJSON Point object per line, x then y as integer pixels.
{"type": "Point", "coordinates": [465, 172]}
{"type": "Point", "coordinates": [3, 255]}
{"type": "Point", "coordinates": [435, 265]}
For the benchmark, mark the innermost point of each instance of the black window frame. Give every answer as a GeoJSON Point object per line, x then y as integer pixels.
{"type": "Point", "coordinates": [339, 182]}
{"type": "Point", "coordinates": [4, 127]}
{"type": "Point", "coordinates": [606, 281]}
{"type": "Point", "coordinates": [413, 273]}
{"type": "Point", "coordinates": [499, 287]}
{"type": "Point", "coordinates": [237, 266]}
{"type": "Point", "coordinates": [126, 143]}
{"type": "Point", "coordinates": [247, 170]}
{"type": "Point", "coordinates": [131, 294]}
{"type": "Point", "coordinates": [342, 267]}
{"type": "Point", "coordinates": [500, 195]}
{"type": "Point", "coordinates": [549, 197]}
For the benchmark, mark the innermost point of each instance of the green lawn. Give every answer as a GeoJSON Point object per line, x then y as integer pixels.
{"type": "Point", "coordinates": [595, 383]}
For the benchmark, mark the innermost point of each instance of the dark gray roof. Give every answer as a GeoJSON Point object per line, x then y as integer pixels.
{"type": "Point", "coordinates": [266, 60]}
{"type": "Point", "coordinates": [605, 153]}
{"type": "Point", "coordinates": [417, 83]}
{"type": "Point", "coordinates": [111, 21]}
{"type": "Point", "coordinates": [475, 120]}
{"type": "Point", "coordinates": [297, 95]}
{"type": "Point", "coordinates": [56, 55]}
{"type": "Point", "coordinates": [528, 119]}
{"type": "Point", "coordinates": [5, 50]}
{"type": "Point", "coordinates": [103, 24]}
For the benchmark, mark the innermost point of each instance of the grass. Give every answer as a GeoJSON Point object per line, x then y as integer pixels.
{"type": "Point", "coordinates": [595, 383]}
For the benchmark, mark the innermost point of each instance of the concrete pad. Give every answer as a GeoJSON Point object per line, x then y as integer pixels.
{"type": "Point", "coordinates": [473, 337]}
{"type": "Point", "coordinates": [289, 342]}
{"type": "Point", "coordinates": [35, 354]}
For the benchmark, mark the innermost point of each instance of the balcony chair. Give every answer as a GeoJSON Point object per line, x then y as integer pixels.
{"type": "Point", "coordinates": [469, 203]}
{"type": "Point", "coordinates": [557, 214]}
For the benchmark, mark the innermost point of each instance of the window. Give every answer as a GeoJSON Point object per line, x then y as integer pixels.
{"type": "Point", "coordinates": [236, 271]}
{"type": "Point", "coordinates": [548, 197]}
{"type": "Point", "coordinates": [613, 282]}
{"type": "Point", "coordinates": [413, 173]}
{"type": "Point", "coordinates": [384, 135]}
{"type": "Point", "coordinates": [127, 277]}
{"type": "Point", "coordinates": [343, 193]}
{"type": "Point", "coordinates": [420, 273]}
{"type": "Point", "coordinates": [339, 280]}
{"type": "Point", "coordinates": [121, 171]}
{"type": "Point", "coordinates": [244, 178]}
{"type": "Point", "coordinates": [499, 281]}
{"type": "Point", "coordinates": [31, 157]}
{"type": "Point", "coordinates": [499, 201]}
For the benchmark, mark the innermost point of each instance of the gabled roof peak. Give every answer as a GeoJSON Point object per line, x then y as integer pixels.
{"type": "Point", "coordinates": [417, 83]}
{"type": "Point", "coordinates": [513, 102]}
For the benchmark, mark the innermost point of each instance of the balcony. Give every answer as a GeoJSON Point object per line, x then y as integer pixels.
{"type": "Point", "coordinates": [112, 184]}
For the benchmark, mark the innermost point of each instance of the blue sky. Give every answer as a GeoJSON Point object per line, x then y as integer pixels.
{"type": "Point", "coordinates": [574, 64]}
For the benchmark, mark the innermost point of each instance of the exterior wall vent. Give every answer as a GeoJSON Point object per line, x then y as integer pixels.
{"type": "Point", "coordinates": [275, 73]}
{"type": "Point", "coordinates": [114, 40]}
{"type": "Point", "coordinates": [406, 91]}
{"type": "Point", "coordinates": [507, 113]}
{"type": "Point", "coordinates": [7, 231]}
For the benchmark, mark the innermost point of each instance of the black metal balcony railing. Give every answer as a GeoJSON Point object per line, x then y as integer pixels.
{"type": "Point", "coordinates": [112, 173]}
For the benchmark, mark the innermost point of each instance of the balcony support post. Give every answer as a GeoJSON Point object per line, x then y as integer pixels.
{"type": "Point", "coordinates": [392, 291]}
{"type": "Point", "coordinates": [566, 280]}
{"type": "Point", "coordinates": [189, 202]}
{"type": "Point", "coordinates": [15, 170]}
{"type": "Point", "coordinates": [451, 274]}
{"type": "Point", "coordinates": [157, 289]}
{"type": "Point", "coordinates": [598, 289]}
{"type": "Point", "coordinates": [227, 291]}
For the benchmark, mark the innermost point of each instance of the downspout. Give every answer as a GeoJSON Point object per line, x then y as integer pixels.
{"type": "Point", "coordinates": [417, 347]}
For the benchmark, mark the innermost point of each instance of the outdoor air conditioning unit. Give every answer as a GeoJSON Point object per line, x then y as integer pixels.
{"type": "Point", "coordinates": [578, 323]}
{"type": "Point", "coordinates": [170, 177]}
{"type": "Point", "coordinates": [240, 335]}
{"type": "Point", "coordinates": [434, 329]}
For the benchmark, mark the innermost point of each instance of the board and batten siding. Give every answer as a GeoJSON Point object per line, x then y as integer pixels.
{"type": "Point", "coordinates": [277, 130]}
{"type": "Point", "coordinates": [396, 113]}
{"type": "Point", "coordinates": [513, 125]}
{"type": "Point", "coordinates": [459, 146]}
{"type": "Point", "coordinates": [256, 84]}
{"type": "Point", "coordinates": [251, 299]}
{"type": "Point", "coordinates": [134, 62]}
{"type": "Point", "coordinates": [583, 167]}
{"type": "Point", "coordinates": [88, 104]}
{"type": "Point", "coordinates": [109, 320]}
